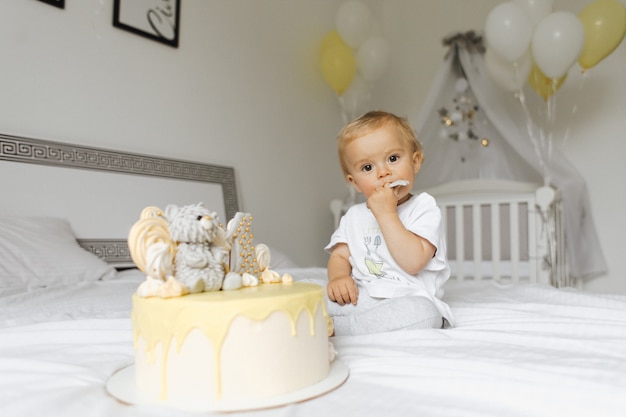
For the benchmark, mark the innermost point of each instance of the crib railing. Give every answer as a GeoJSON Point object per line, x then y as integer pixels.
{"type": "Point", "coordinates": [496, 230]}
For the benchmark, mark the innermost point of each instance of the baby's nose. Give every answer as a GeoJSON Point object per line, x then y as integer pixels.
{"type": "Point", "coordinates": [383, 172]}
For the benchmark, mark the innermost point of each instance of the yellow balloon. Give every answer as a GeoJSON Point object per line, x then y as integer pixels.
{"type": "Point", "coordinates": [543, 85]}
{"type": "Point", "coordinates": [332, 38]}
{"type": "Point", "coordinates": [337, 63]}
{"type": "Point", "coordinates": [604, 22]}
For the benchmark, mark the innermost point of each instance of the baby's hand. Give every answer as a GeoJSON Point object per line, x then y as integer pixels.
{"type": "Point", "coordinates": [343, 291]}
{"type": "Point", "coordinates": [382, 200]}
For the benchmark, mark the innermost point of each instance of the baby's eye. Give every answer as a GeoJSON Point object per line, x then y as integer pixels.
{"type": "Point", "coordinates": [366, 168]}
{"type": "Point", "coordinates": [393, 158]}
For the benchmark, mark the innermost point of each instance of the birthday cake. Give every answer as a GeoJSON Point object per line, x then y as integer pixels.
{"type": "Point", "coordinates": [213, 323]}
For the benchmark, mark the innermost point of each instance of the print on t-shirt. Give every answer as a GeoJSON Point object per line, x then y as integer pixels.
{"type": "Point", "coordinates": [373, 261]}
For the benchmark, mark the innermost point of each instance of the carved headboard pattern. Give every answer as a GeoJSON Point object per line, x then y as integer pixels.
{"type": "Point", "coordinates": [43, 152]}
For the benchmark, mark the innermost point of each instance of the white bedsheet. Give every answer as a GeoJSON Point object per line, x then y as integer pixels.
{"type": "Point", "coordinates": [517, 350]}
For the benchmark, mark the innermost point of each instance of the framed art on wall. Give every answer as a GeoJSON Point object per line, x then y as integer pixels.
{"type": "Point", "coordinates": [57, 3]}
{"type": "Point", "coordinates": [154, 19]}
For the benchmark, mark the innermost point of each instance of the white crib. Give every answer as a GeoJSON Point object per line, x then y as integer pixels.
{"type": "Point", "coordinates": [503, 230]}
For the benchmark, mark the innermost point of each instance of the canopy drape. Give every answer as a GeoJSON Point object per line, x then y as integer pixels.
{"type": "Point", "coordinates": [511, 152]}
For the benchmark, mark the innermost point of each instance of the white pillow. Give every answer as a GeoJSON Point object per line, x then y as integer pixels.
{"type": "Point", "coordinates": [42, 251]}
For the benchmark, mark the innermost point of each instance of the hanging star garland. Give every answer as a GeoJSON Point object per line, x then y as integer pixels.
{"type": "Point", "coordinates": [459, 118]}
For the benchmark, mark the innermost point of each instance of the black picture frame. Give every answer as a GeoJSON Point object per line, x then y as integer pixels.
{"type": "Point", "coordinates": [158, 20]}
{"type": "Point", "coordinates": [56, 3]}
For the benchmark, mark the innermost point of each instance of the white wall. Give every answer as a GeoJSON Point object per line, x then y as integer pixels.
{"type": "Point", "coordinates": [244, 89]}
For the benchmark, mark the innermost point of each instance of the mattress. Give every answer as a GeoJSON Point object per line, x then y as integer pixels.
{"type": "Point", "coordinates": [517, 350]}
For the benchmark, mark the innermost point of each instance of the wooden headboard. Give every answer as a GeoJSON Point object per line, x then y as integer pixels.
{"type": "Point", "coordinates": [101, 192]}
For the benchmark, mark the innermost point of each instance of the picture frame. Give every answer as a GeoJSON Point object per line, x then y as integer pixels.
{"type": "Point", "coordinates": [56, 3]}
{"type": "Point", "coordinates": [158, 20]}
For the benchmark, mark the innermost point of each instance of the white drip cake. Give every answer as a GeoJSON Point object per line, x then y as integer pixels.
{"type": "Point", "coordinates": [203, 345]}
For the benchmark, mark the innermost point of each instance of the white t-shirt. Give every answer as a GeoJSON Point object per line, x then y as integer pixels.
{"type": "Point", "coordinates": [374, 268]}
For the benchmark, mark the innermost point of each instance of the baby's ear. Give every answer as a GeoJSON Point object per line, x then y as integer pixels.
{"type": "Point", "coordinates": [418, 158]}
{"type": "Point", "coordinates": [350, 180]}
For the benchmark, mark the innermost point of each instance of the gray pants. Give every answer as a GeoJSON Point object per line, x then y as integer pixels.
{"type": "Point", "coordinates": [376, 315]}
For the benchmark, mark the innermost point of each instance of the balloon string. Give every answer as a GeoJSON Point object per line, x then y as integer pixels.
{"type": "Point", "coordinates": [516, 73]}
{"type": "Point", "coordinates": [544, 146]}
{"type": "Point", "coordinates": [529, 127]}
{"type": "Point", "coordinates": [574, 108]}
{"type": "Point", "coordinates": [550, 124]}
{"type": "Point", "coordinates": [345, 117]}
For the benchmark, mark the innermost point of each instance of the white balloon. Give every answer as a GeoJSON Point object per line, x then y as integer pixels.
{"type": "Point", "coordinates": [557, 42]}
{"type": "Point", "coordinates": [536, 9]}
{"type": "Point", "coordinates": [354, 23]}
{"type": "Point", "coordinates": [372, 57]}
{"type": "Point", "coordinates": [510, 76]}
{"type": "Point", "coordinates": [508, 30]}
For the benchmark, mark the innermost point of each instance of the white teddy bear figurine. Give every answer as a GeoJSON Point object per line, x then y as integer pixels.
{"type": "Point", "coordinates": [202, 252]}
{"type": "Point", "coordinates": [182, 250]}
{"type": "Point", "coordinates": [185, 250]}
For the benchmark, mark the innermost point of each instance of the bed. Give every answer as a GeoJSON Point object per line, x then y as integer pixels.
{"type": "Point", "coordinates": [520, 348]}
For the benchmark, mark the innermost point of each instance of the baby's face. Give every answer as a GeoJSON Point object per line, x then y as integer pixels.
{"type": "Point", "coordinates": [379, 158]}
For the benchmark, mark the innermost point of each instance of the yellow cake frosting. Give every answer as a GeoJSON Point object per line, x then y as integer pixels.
{"type": "Point", "coordinates": [162, 328]}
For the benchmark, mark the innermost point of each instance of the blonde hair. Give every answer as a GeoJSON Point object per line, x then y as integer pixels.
{"type": "Point", "coordinates": [370, 122]}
